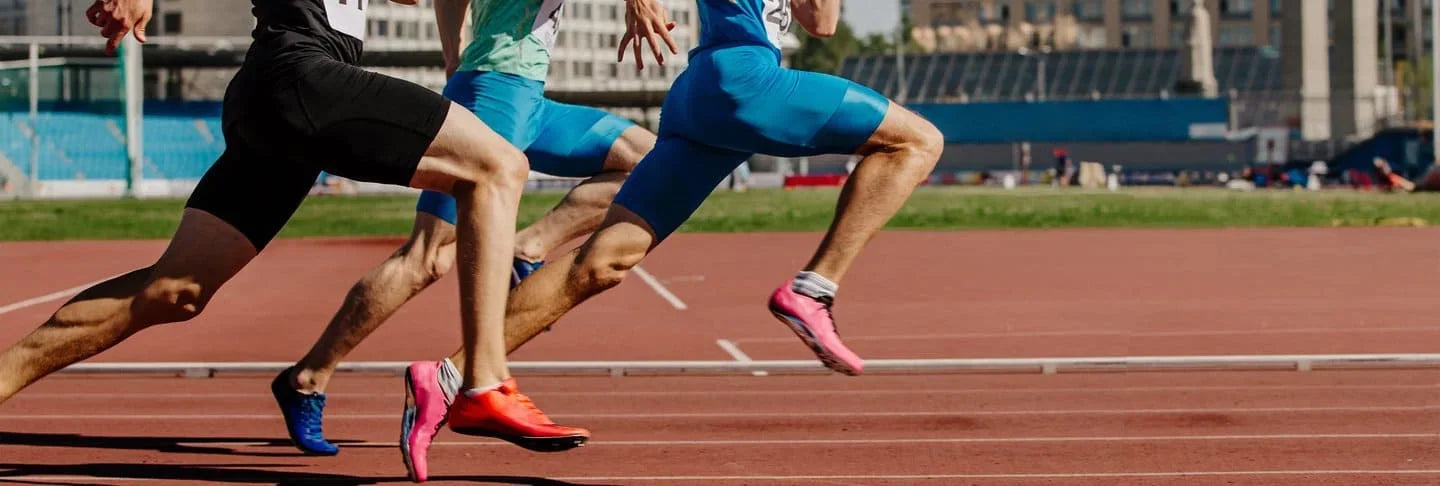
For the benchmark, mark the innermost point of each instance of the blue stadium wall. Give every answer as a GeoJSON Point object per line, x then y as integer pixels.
{"type": "Point", "coordinates": [1140, 134]}
{"type": "Point", "coordinates": [1168, 120]}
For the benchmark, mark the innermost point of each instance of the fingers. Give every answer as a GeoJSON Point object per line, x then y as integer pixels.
{"type": "Point", "coordinates": [114, 42]}
{"type": "Point", "coordinates": [144, 21]}
{"type": "Point", "coordinates": [665, 34]}
{"type": "Point", "coordinates": [624, 42]}
{"type": "Point", "coordinates": [639, 61]}
{"type": "Point", "coordinates": [655, 49]}
{"type": "Point", "coordinates": [94, 14]}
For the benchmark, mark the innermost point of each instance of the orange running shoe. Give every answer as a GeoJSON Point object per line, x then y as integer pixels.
{"type": "Point", "coordinates": [505, 414]}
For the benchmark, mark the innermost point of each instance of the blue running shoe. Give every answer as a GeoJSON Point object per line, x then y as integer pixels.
{"type": "Point", "coordinates": [521, 269]}
{"type": "Point", "coordinates": [303, 415]}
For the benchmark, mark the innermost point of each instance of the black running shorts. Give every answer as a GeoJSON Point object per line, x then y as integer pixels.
{"type": "Point", "coordinates": [292, 111]}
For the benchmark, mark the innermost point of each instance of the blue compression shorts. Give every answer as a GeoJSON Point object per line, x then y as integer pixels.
{"type": "Point", "coordinates": [559, 139]}
{"type": "Point", "coordinates": [733, 102]}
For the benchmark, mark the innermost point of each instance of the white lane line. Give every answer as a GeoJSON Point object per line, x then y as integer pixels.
{"type": "Point", "coordinates": [53, 296]}
{"type": "Point", "coordinates": [868, 391]}
{"type": "Point", "coordinates": [760, 414]}
{"type": "Point", "coordinates": [659, 288]}
{"type": "Point", "coordinates": [735, 352]}
{"type": "Point", "coordinates": [863, 442]}
{"type": "Point", "coordinates": [835, 477]}
{"type": "Point", "coordinates": [1134, 333]}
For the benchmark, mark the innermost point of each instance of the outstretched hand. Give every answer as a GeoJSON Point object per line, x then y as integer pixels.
{"type": "Point", "coordinates": [117, 18]}
{"type": "Point", "coordinates": [646, 19]}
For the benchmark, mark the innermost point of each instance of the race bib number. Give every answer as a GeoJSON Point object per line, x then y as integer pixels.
{"type": "Point", "coordinates": [777, 20]}
{"type": "Point", "coordinates": [547, 23]}
{"type": "Point", "coordinates": [347, 16]}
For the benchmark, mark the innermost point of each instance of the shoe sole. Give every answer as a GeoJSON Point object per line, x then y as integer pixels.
{"type": "Point", "coordinates": [407, 424]}
{"type": "Point", "coordinates": [808, 337]}
{"type": "Point", "coordinates": [534, 444]}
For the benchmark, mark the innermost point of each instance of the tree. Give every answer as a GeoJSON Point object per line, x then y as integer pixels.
{"type": "Point", "coordinates": [824, 55]}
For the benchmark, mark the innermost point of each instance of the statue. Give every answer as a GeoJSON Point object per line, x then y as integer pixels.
{"type": "Point", "coordinates": [1197, 76]}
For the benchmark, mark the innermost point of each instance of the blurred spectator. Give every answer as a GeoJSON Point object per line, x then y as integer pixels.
{"type": "Point", "coordinates": [740, 177]}
{"type": "Point", "coordinates": [1389, 179]}
{"type": "Point", "coordinates": [1064, 168]}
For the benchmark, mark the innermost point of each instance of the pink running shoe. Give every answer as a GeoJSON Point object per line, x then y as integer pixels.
{"type": "Point", "coordinates": [426, 406]}
{"type": "Point", "coordinates": [810, 318]}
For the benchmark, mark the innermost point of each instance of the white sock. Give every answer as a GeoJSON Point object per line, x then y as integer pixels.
{"type": "Point", "coordinates": [814, 285]}
{"type": "Point", "coordinates": [450, 379]}
{"type": "Point", "coordinates": [479, 390]}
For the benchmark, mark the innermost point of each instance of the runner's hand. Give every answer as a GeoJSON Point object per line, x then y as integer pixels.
{"type": "Point", "coordinates": [116, 18]}
{"type": "Point", "coordinates": [646, 19]}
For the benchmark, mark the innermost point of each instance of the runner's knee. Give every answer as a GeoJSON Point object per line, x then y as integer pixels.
{"type": "Point", "coordinates": [913, 144]}
{"type": "Point", "coordinates": [922, 139]}
{"type": "Point", "coordinates": [428, 258]}
{"type": "Point", "coordinates": [504, 167]}
{"type": "Point", "coordinates": [604, 264]}
{"type": "Point", "coordinates": [166, 300]}
{"type": "Point", "coordinates": [928, 140]}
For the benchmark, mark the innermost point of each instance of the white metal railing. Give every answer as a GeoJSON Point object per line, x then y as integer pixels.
{"type": "Point", "coordinates": [1302, 362]}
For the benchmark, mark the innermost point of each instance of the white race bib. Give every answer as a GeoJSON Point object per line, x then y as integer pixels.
{"type": "Point", "coordinates": [777, 19]}
{"type": "Point", "coordinates": [547, 23]}
{"type": "Point", "coordinates": [347, 16]}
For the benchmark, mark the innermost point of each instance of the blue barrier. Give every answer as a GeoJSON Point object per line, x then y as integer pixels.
{"type": "Point", "coordinates": [1155, 120]}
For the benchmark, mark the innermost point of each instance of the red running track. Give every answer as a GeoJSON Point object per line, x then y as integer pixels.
{"type": "Point", "coordinates": [913, 295]}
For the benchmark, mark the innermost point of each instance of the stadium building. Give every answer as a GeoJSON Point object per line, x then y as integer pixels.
{"type": "Point", "coordinates": [1304, 73]}
{"type": "Point", "coordinates": [76, 138]}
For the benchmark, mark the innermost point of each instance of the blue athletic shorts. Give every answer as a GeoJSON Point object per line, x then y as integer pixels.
{"type": "Point", "coordinates": [559, 139]}
{"type": "Point", "coordinates": [734, 102]}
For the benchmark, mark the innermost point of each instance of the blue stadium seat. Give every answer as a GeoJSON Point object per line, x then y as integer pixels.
{"type": "Point", "coordinates": [1080, 74]}
{"type": "Point", "coordinates": [91, 146]}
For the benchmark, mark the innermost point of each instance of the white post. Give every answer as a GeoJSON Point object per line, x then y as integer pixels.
{"type": "Point", "coordinates": [1435, 74]}
{"type": "Point", "coordinates": [1040, 81]}
{"type": "Point", "coordinates": [33, 188]}
{"type": "Point", "coordinates": [1387, 75]}
{"type": "Point", "coordinates": [903, 87]}
{"type": "Point", "coordinates": [131, 63]}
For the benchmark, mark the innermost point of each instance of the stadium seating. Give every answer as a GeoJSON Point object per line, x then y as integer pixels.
{"type": "Point", "coordinates": [1010, 76]}
{"type": "Point", "coordinates": [90, 146]}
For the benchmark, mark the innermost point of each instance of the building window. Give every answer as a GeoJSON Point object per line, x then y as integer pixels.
{"type": "Point", "coordinates": [172, 23]}
{"type": "Point", "coordinates": [1005, 13]}
{"type": "Point", "coordinates": [1232, 35]}
{"type": "Point", "coordinates": [1275, 8]}
{"type": "Point", "coordinates": [1179, 35]}
{"type": "Point", "coordinates": [1137, 36]}
{"type": "Point", "coordinates": [1089, 9]}
{"type": "Point", "coordinates": [1137, 9]}
{"type": "Point", "coordinates": [1236, 8]}
{"type": "Point", "coordinates": [382, 28]}
{"type": "Point", "coordinates": [1040, 11]}
{"type": "Point", "coordinates": [1276, 35]}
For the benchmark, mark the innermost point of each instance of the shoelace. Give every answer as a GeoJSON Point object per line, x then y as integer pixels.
{"type": "Point", "coordinates": [827, 303]}
{"type": "Point", "coordinates": [310, 421]}
{"type": "Point", "coordinates": [529, 405]}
